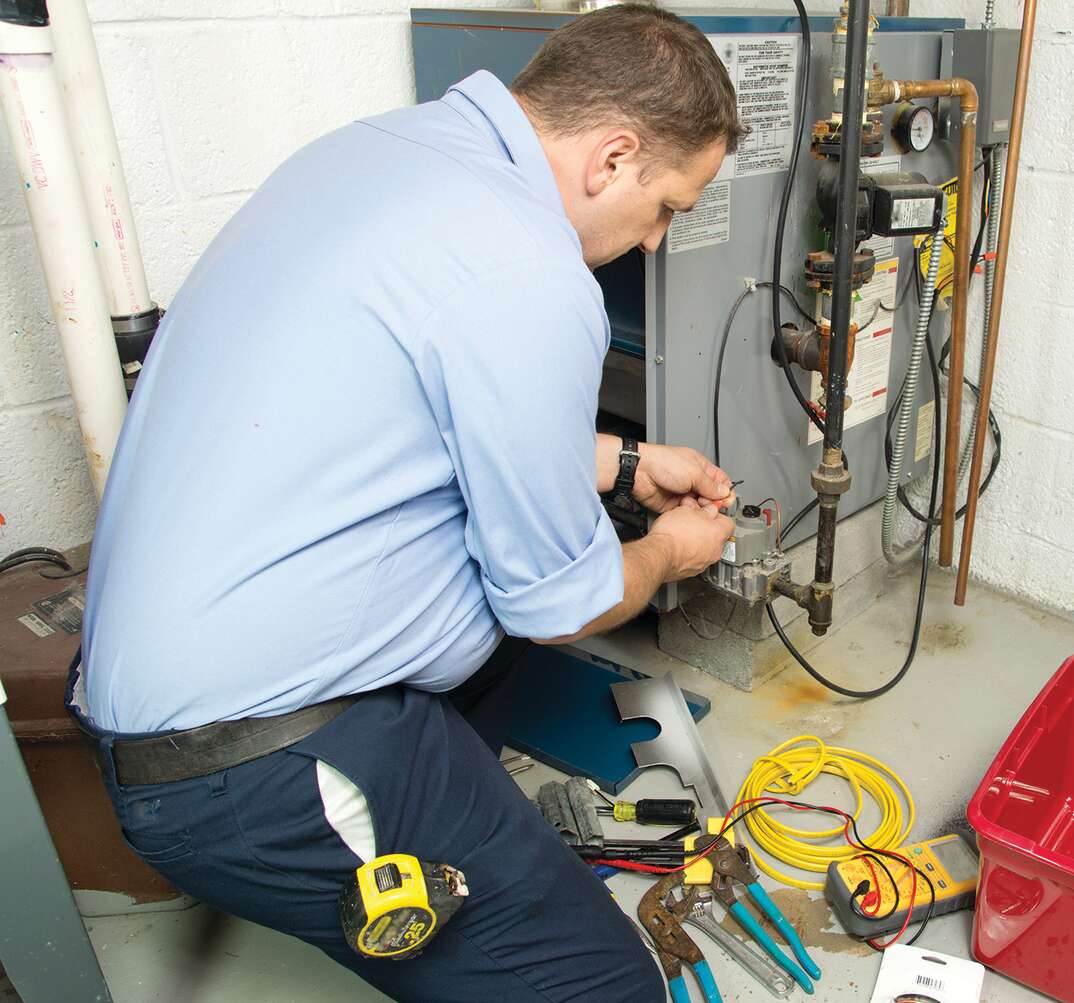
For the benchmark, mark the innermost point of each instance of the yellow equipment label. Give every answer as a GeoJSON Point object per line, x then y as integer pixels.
{"type": "Point", "coordinates": [923, 439]}
{"type": "Point", "coordinates": [945, 279]}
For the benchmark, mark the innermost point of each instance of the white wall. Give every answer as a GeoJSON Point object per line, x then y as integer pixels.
{"type": "Point", "coordinates": [209, 97]}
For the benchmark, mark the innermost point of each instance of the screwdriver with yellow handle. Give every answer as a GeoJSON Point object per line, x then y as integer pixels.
{"type": "Point", "coordinates": [647, 811]}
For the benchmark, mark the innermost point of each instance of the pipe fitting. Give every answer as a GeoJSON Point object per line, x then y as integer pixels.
{"type": "Point", "coordinates": [881, 91]}
{"type": "Point", "coordinates": [800, 594]}
{"type": "Point", "coordinates": [134, 334]}
{"type": "Point", "coordinates": [802, 347]}
{"type": "Point", "coordinates": [830, 479]}
{"type": "Point", "coordinates": [820, 607]}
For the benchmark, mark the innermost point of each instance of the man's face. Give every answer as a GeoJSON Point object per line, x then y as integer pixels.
{"type": "Point", "coordinates": [636, 209]}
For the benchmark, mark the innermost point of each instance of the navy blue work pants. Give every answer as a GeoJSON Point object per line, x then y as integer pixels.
{"type": "Point", "coordinates": [254, 841]}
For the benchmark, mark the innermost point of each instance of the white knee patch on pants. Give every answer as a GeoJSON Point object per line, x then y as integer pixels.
{"type": "Point", "coordinates": [347, 811]}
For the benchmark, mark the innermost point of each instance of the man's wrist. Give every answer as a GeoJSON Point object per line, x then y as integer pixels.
{"type": "Point", "coordinates": [662, 552]}
{"type": "Point", "coordinates": [608, 447]}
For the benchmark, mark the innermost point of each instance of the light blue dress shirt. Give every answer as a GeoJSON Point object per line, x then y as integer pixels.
{"type": "Point", "coordinates": [363, 444]}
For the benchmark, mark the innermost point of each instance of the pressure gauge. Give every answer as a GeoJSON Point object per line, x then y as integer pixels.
{"type": "Point", "coordinates": [914, 128]}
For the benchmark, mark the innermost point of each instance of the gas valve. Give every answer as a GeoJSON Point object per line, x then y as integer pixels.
{"type": "Point", "coordinates": [752, 560]}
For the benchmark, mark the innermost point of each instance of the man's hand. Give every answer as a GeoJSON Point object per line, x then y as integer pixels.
{"type": "Point", "coordinates": [681, 543]}
{"type": "Point", "coordinates": [694, 537]}
{"type": "Point", "coordinates": [671, 476]}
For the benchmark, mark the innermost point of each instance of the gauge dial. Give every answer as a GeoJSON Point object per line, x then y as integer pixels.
{"type": "Point", "coordinates": [914, 128]}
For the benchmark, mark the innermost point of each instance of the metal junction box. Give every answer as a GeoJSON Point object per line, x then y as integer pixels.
{"type": "Point", "coordinates": [668, 310]}
{"type": "Point", "coordinates": [989, 58]}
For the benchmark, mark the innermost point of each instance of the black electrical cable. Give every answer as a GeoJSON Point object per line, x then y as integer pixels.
{"type": "Point", "coordinates": [929, 911]}
{"type": "Point", "coordinates": [781, 220]}
{"type": "Point", "coordinates": [993, 466]}
{"type": "Point", "coordinates": [810, 412]}
{"type": "Point", "coordinates": [875, 851]}
{"type": "Point", "coordinates": [654, 849]}
{"type": "Point", "coordinates": [800, 515]}
{"type": "Point", "coordinates": [923, 584]}
{"type": "Point", "coordinates": [32, 555]}
{"type": "Point", "coordinates": [722, 351]}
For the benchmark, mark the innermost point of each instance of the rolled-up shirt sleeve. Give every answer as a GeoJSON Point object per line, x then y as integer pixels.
{"type": "Point", "coordinates": [511, 362]}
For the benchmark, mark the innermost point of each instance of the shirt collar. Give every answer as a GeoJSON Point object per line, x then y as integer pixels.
{"type": "Point", "coordinates": [492, 105]}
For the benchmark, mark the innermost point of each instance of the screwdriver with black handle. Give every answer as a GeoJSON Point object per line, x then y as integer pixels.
{"type": "Point", "coordinates": [652, 811]}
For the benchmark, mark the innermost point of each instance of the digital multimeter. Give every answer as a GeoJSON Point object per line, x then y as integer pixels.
{"type": "Point", "coordinates": [950, 863]}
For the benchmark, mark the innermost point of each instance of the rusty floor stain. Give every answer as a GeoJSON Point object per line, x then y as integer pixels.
{"type": "Point", "coordinates": [812, 918]}
{"type": "Point", "coordinates": [944, 636]}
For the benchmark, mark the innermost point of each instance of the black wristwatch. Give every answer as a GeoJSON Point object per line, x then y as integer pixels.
{"type": "Point", "coordinates": [629, 458]}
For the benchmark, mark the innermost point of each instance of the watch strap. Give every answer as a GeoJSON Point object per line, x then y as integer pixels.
{"type": "Point", "coordinates": [629, 457]}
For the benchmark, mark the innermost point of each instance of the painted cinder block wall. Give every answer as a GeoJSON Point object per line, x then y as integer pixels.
{"type": "Point", "coordinates": [208, 98]}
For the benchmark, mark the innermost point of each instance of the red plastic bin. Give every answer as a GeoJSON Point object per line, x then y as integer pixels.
{"type": "Point", "coordinates": [1023, 813]}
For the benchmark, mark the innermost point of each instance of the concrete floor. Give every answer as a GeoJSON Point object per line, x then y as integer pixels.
{"type": "Point", "coordinates": [977, 669]}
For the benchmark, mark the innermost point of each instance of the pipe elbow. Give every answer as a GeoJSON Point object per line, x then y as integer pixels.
{"type": "Point", "coordinates": [966, 92]}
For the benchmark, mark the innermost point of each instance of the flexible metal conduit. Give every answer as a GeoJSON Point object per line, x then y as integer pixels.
{"type": "Point", "coordinates": [906, 404]}
{"type": "Point", "coordinates": [884, 92]}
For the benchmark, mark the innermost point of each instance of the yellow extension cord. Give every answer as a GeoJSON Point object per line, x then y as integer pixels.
{"type": "Point", "coordinates": [786, 772]}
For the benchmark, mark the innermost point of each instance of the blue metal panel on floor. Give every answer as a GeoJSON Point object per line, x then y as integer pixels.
{"type": "Point", "coordinates": [565, 716]}
{"type": "Point", "coordinates": [43, 944]}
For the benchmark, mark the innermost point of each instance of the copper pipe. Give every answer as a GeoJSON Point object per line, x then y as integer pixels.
{"type": "Point", "coordinates": [883, 92]}
{"type": "Point", "coordinates": [1021, 86]}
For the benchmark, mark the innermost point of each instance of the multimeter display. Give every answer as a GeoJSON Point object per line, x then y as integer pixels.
{"type": "Point", "coordinates": [949, 863]}
{"type": "Point", "coordinates": [957, 859]}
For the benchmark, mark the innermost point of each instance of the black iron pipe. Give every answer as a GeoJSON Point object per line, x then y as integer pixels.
{"type": "Point", "coordinates": [845, 238]}
{"type": "Point", "coordinates": [831, 478]}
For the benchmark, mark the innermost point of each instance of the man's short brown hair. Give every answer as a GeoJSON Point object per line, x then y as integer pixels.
{"type": "Point", "coordinates": [637, 66]}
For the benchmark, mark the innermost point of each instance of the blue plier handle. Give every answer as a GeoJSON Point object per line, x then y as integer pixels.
{"type": "Point", "coordinates": [771, 910]}
{"type": "Point", "coordinates": [754, 929]}
{"type": "Point", "coordinates": [733, 864]}
{"type": "Point", "coordinates": [680, 994]}
{"type": "Point", "coordinates": [674, 946]}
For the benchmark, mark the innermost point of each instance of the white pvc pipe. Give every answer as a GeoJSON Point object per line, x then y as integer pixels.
{"type": "Point", "coordinates": [48, 175]}
{"type": "Point", "coordinates": [93, 135]}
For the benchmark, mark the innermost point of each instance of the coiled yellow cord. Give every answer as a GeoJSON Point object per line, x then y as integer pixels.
{"type": "Point", "coordinates": [787, 771]}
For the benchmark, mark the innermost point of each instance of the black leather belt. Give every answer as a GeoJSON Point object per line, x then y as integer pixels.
{"type": "Point", "coordinates": [197, 752]}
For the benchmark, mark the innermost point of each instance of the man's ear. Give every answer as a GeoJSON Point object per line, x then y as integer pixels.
{"type": "Point", "coordinates": [615, 151]}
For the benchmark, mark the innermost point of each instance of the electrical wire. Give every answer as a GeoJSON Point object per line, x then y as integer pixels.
{"type": "Point", "coordinates": [813, 413]}
{"type": "Point", "coordinates": [928, 912]}
{"type": "Point", "coordinates": [705, 635]}
{"type": "Point", "coordinates": [849, 825]}
{"type": "Point", "coordinates": [919, 612]}
{"type": "Point", "coordinates": [993, 423]}
{"type": "Point", "coordinates": [894, 884]}
{"type": "Point", "coordinates": [44, 555]}
{"type": "Point", "coordinates": [779, 520]}
{"type": "Point", "coordinates": [788, 770]}
{"type": "Point", "coordinates": [781, 220]}
{"type": "Point", "coordinates": [804, 511]}
{"type": "Point", "coordinates": [722, 350]}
